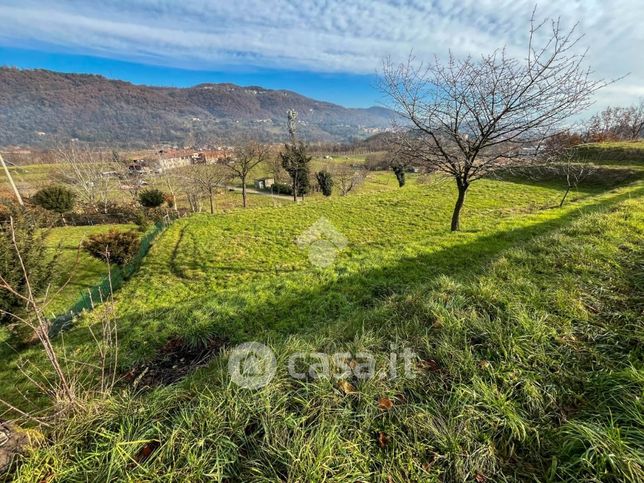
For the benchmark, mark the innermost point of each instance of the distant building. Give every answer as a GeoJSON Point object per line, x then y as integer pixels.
{"type": "Point", "coordinates": [171, 158]}
{"type": "Point", "coordinates": [264, 183]}
{"type": "Point", "coordinates": [198, 158]}
{"type": "Point", "coordinates": [138, 166]}
{"type": "Point", "coordinates": [164, 164]}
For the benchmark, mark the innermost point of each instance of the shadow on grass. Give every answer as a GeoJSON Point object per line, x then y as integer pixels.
{"type": "Point", "coordinates": [599, 179]}
{"type": "Point", "coordinates": [312, 309]}
{"type": "Point", "coordinates": [350, 298]}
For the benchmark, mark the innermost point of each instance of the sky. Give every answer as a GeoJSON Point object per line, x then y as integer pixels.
{"type": "Point", "coordinates": [327, 49]}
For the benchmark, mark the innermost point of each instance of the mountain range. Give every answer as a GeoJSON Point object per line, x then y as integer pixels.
{"type": "Point", "coordinates": [40, 108]}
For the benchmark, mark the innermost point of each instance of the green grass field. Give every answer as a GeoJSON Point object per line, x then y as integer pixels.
{"type": "Point", "coordinates": [526, 325]}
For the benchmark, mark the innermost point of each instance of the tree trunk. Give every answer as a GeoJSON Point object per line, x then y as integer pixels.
{"type": "Point", "coordinates": [564, 196]}
{"type": "Point", "coordinates": [462, 188]}
{"type": "Point", "coordinates": [243, 180]}
{"type": "Point", "coordinates": [212, 203]}
{"type": "Point", "coordinates": [295, 190]}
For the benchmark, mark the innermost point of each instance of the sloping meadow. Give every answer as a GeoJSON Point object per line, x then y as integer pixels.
{"type": "Point", "coordinates": [525, 330]}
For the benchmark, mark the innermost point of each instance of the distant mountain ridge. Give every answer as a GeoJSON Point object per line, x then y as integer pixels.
{"type": "Point", "coordinates": [40, 107]}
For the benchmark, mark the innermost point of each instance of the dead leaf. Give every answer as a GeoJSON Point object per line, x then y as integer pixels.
{"type": "Point", "coordinates": [147, 450]}
{"type": "Point", "coordinates": [480, 478]}
{"type": "Point", "coordinates": [385, 404]}
{"type": "Point", "coordinates": [429, 365]}
{"type": "Point", "coordinates": [383, 439]}
{"type": "Point", "coordinates": [47, 478]}
{"type": "Point", "coordinates": [346, 387]}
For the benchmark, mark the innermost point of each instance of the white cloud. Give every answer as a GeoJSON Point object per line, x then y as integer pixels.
{"type": "Point", "coordinates": [319, 35]}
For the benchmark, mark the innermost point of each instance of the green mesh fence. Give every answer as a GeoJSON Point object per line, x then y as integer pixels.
{"type": "Point", "coordinates": [100, 292]}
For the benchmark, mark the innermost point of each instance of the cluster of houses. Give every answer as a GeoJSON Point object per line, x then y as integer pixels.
{"type": "Point", "coordinates": [165, 160]}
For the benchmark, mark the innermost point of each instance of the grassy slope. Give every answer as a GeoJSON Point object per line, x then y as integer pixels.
{"type": "Point", "coordinates": [529, 312]}
{"type": "Point", "coordinates": [618, 152]}
{"type": "Point", "coordinates": [244, 276]}
{"type": "Point", "coordinates": [638, 145]}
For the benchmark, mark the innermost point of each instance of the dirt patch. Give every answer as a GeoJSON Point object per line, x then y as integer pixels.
{"type": "Point", "coordinates": [174, 361]}
{"type": "Point", "coordinates": [12, 443]}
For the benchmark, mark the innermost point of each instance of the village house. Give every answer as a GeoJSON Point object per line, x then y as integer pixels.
{"type": "Point", "coordinates": [168, 159]}
{"type": "Point", "coordinates": [264, 183]}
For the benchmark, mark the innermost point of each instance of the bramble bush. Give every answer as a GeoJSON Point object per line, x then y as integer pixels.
{"type": "Point", "coordinates": [114, 213]}
{"type": "Point", "coordinates": [117, 247]}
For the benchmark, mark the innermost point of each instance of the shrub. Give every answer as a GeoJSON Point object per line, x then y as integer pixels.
{"type": "Point", "coordinates": [151, 198]}
{"type": "Point", "coordinates": [281, 189]}
{"type": "Point", "coordinates": [325, 181]}
{"type": "Point", "coordinates": [117, 247]}
{"type": "Point", "coordinates": [399, 171]}
{"type": "Point", "coordinates": [55, 198]}
{"type": "Point", "coordinates": [40, 265]}
{"type": "Point", "coordinates": [112, 214]}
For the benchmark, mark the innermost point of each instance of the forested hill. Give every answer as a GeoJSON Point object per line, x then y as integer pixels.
{"type": "Point", "coordinates": [40, 108]}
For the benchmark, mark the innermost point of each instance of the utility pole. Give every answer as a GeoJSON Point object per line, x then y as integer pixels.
{"type": "Point", "coordinates": [10, 178]}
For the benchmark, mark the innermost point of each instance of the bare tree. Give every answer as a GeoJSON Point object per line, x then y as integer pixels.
{"type": "Point", "coordinates": [244, 159]}
{"type": "Point", "coordinates": [561, 158]}
{"type": "Point", "coordinates": [171, 182]}
{"type": "Point", "coordinates": [88, 171]}
{"type": "Point", "coordinates": [275, 168]}
{"type": "Point", "coordinates": [617, 123]}
{"type": "Point", "coordinates": [208, 178]}
{"type": "Point", "coordinates": [470, 116]}
{"type": "Point", "coordinates": [574, 172]}
{"type": "Point", "coordinates": [348, 177]}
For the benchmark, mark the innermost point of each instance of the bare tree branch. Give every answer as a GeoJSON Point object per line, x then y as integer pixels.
{"type": "Point", "coordinates": [471, 116]}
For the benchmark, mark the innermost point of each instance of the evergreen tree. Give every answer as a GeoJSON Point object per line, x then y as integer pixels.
{"type": "Point", "coordinates": [295, 160]}
{"type": "Point", "coordinates": [55, 198]}
{"type": "Point", "coordinates": [325, 181]}
{"type": "Point", "coordinates": [399, 171]}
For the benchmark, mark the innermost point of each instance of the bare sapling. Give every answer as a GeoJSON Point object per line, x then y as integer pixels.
{"type": "Point", "coordinates": [34, 318]}
{"type": "Point", "coordinates": [68, 388]}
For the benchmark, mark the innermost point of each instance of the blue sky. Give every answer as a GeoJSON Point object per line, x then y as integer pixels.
{"type": "Point", "coordinates": [351, 90]}
{"type": "Point", "coordinates": [326, 49]}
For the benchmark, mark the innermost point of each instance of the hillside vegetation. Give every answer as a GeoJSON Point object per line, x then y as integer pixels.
{"type": "Point", "coordinates": [526, 327]}
{"type": "Point", "coordinates": [40, 108]}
